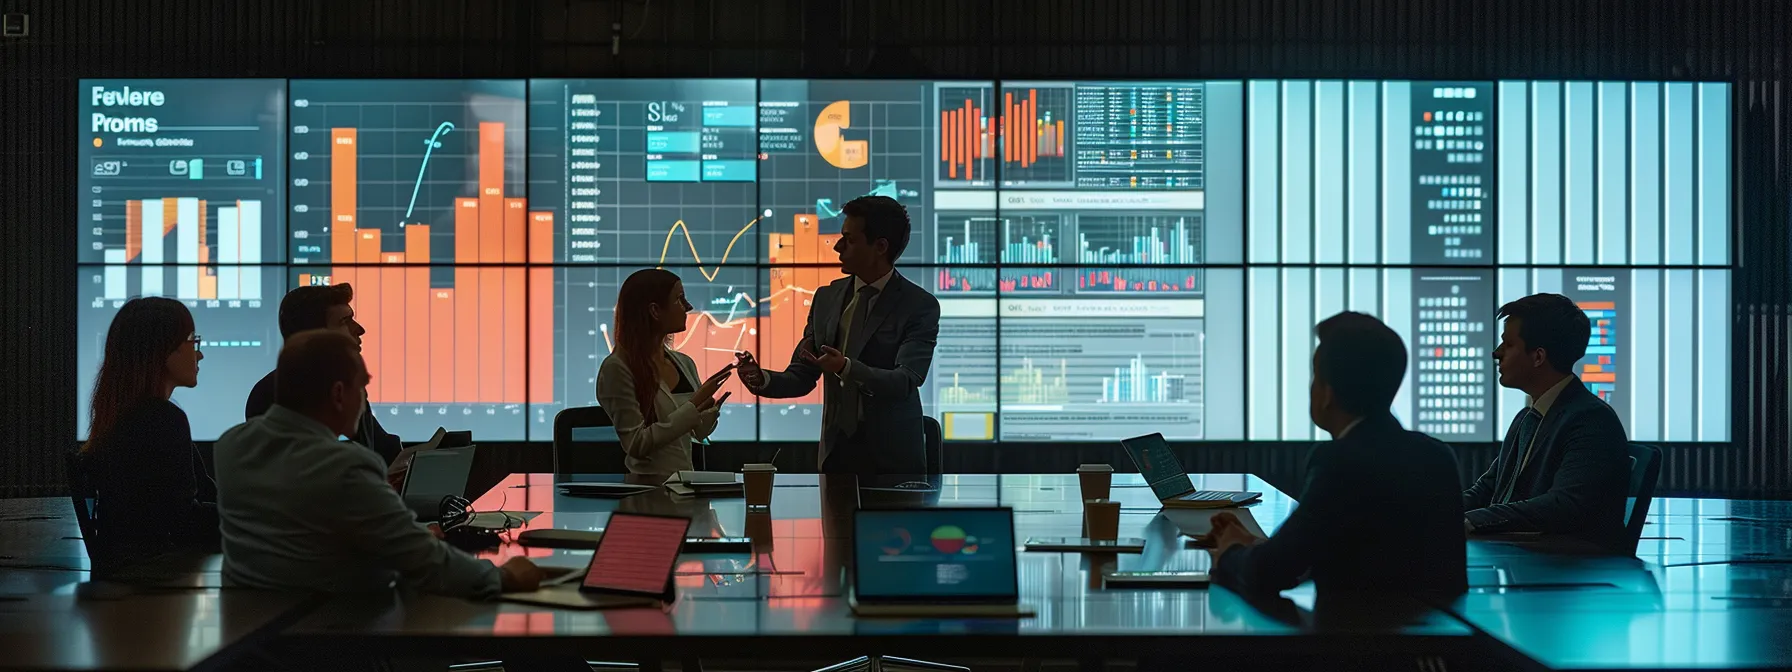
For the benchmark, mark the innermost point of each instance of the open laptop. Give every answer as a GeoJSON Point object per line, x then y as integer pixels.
{"type": "Point", "coordinates": [631, 567]}
{"type": "Point", "coordinates": [436, 475]}
{"type": "Point", "coordinates": [935, 562]}
{"type": "Point", "coordinates": [1151, 454]}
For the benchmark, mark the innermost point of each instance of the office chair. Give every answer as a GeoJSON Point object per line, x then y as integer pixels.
{"type": "Point", "coordinates": [936, 457]}
{"type": "Point", "coordinates": [82, 495]}
{"type": "Point", "coordinates": [599, 452]}
{"type": "Point", "coordinates": [1645, 469]}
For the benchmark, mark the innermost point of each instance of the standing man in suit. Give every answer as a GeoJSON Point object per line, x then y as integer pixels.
{"type": "Point", "coordinates": [1563, 467]}
{"type": "Point", "coordinates": [1378, 511]}
{"type": "Point", "coordinates": [869, 342]}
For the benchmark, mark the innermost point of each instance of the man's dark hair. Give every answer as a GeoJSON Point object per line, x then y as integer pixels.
{"type": "Point", "coordinates": [310, 364]}
{"type": "Point", "coordinates": [884, 218]}
{"type": "Point", "coordinates": [308, 307]}
{"type": "Point", "coordinates": [1362, 360]}
{"type": "Point", "coordinates": [1552, 322]}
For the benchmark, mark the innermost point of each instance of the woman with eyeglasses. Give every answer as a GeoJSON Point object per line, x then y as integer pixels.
{"type": "Point", "coordinates": [149, 481]}
{"type": "Point", "coordinates": [651, 391]}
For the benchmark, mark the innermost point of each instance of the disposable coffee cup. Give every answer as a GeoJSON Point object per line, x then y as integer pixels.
{"type": "Point", "coordinates": [759, 529]}
{"type": "Point", "coordinates": [758, 479]}
{"type": "Point", "coordinates": [1102, 518]}
{"type": "Point", "coordinates": [1096, 480]}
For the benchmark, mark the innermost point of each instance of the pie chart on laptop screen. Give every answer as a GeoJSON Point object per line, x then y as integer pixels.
{"type": "Point", "coordinates": [947, 539]}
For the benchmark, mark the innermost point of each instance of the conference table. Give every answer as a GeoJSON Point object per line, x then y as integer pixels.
{"type": "Point", "coordinates": [1709, 588]}
{"type": "Point", "coordinates": [788, 595]}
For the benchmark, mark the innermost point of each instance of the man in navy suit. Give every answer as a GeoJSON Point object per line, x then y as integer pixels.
{"type": "Point", "coordinates": [869, 342]}
{"type": "Point", "coordinates": [1563, 468]}
{"type": "Point", "coordinates": [1378, 511]}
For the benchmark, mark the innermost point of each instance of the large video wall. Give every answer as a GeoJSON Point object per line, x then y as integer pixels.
{"type": "Point", "coordinates": [1111, 257]}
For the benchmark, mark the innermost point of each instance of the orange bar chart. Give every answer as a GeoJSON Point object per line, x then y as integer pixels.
{"type": "Point", "coordinates": [462, 343]}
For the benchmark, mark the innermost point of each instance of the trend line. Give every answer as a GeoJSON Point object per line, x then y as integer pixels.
{"type": "Point", "coordinates": [693, 244]}
{"type": "Point", "coordinates": [726, 323]}
{"type": "Point", "coordinates": [428, 147]}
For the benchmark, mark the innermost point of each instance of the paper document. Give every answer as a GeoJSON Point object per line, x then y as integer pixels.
{"type": "Point", "coordinates": [402, 463]}
{"type": "Point", "coordinates": [1198, 522]}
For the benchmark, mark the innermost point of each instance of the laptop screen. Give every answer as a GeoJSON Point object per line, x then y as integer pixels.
{"type": "Point", "coordinates": [438, 473]}
{"type": "Point", "coordinates": [920, 554]}
{"type": "Point", "coordinates": [637, 553]}
{"type": "Point", "coordinates": [1151, 454]}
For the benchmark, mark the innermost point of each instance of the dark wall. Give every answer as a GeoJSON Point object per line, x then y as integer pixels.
{"type": "Point", "coordinates": [1736, 40]}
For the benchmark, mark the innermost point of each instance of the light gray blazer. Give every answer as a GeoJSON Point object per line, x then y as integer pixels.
{"type": "Point", "coordinates": [663, 447]}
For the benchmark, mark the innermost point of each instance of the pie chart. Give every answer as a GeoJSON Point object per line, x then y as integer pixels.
{"type": "Point", "coordinates": [837, 151]}
{"type": "Point", "coordinates": [947, 539]}
{"type": "Point", "coordinates": [897, 543]}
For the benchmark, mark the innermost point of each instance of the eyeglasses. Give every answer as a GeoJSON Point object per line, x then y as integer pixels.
{"type": "Point", "coordinates": [195, 339]}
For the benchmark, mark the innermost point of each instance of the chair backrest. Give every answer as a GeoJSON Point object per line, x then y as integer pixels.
{"type": "Point", "coordinates": [84, 498]}
{"type": "Point", "coordinates": [936, 459]}
{"type": "Point", "coordinates": [585, 443]}
{"type": "Point", "coordinates": [1645, 469]}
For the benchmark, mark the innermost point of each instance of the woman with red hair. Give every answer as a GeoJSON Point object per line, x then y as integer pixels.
{"type": "Point", "coordinates": [648, 388]}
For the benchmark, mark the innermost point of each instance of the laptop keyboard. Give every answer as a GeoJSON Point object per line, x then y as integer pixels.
{"type": "Point", "coordinates": [1208, 496]}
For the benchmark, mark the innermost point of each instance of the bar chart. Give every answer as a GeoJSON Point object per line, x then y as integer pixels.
{"type": "Point", "coordinates": [399, 181]}
{"type": "Point", "coordinates": [213, 165]}
{"type": "Point", "coordinates": [1135, 383]}
{"type": "Point", "coordinates": [1100, 378]}
{"type": "Point", "coordinates": [1033, 136]}
{"type": "Point", "coordinates": [1030, 384]}
{"type": "Point", "coordinates": [966, 145]}
{"type": "Point", "coordinates": [162, 231]}
{"type": "Point", "coordinates": [961, 241]}
{"type": "Point", "coordinates": [1107, 244]}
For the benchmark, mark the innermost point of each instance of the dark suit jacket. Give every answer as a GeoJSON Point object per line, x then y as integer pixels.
{"type": "Point", "coordinates": [371, 434]}
{"type": "Point", "coordinates": [1575, 483]}
{"type": "Point", "coordinates": [1377, 513]}
{"type": "Point", "coordinates": [887, 369]}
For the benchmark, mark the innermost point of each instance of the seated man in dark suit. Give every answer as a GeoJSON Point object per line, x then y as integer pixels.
{"type": "Point", "coordinates": [1378, 511]}
{"type": "Point", "coordinates": [1562, 468]}
{"type": "Point", "coordinates": [324, 307]}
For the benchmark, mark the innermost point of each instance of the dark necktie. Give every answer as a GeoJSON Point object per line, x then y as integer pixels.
{"type": "Point", "coordinates": [845, 414]}
{"type": "Point", "coordinates": [1523, 432]}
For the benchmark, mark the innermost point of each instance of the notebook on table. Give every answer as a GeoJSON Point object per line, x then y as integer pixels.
{"type": "Point", "coordinates": [1152, 455]}
{"type": "Point", "coordinates": [935, 562]}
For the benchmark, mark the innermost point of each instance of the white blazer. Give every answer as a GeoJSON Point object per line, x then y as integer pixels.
{"type": "Point", "coordinates": [663, 447]}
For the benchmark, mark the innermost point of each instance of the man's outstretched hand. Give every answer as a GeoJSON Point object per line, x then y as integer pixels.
{"type": "Point", "coordinates": [748, 369]}
{"type": "Point", "coordinates": [831, 360]}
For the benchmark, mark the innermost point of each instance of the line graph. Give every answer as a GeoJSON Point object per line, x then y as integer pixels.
{"type": "Point", "coordinates": [707, 275]}
{"type": "Point", "coordinates": [429, 147]}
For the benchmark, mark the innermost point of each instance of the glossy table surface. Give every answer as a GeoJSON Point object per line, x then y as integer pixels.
{"type": "Point", "coordinates": [1710, 587]}
{"type": "Point", "coordinates": [52, 618]}
{"type": "Point", "coordinates": [793, 585]}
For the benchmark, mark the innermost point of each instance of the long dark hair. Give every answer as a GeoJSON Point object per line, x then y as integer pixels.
{"type": "Point", "coordinates": [143, 334]}
{"type": "Point", "coordinates": [638, 339]}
